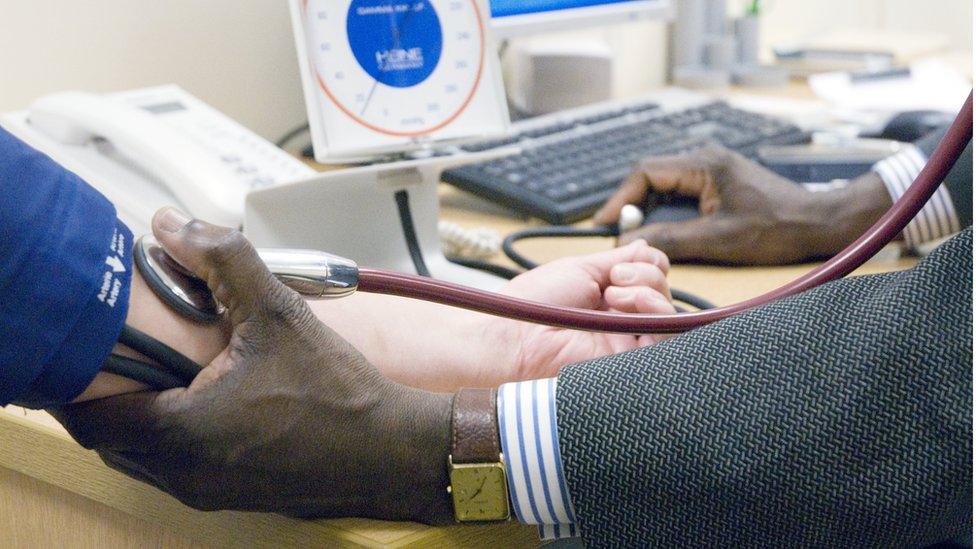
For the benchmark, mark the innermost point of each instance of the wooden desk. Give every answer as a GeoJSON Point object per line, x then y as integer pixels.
{"type": "Point", "coordinates": [53, 493]}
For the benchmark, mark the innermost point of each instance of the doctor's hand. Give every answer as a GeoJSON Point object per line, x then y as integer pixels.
{"type": "Point", "coordinates": [749, 215]}
{"type": "Point", "coordinates": [287, 418]}
{"type": "Point", "coordinates": [630, 279]}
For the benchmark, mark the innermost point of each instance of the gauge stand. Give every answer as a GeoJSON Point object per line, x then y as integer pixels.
{"type": "Point", "coordinates": [353, 213]}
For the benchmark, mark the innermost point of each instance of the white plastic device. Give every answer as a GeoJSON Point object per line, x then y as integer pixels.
{"type": "Point", "coordinates": [153, 147]}
{"type": "Point", "coordinates": [558, 74]}
{"type": "Point", "coordinates": [353, 213]}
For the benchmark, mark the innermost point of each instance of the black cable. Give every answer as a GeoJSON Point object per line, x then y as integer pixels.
{"type": "Point", "coordinates": [177, 363]}
{"type": "Point", "coordinates": [691, 299]}
{"type": "Point", "coordinates": [508, 246]}
{"type": "Point", "coordinates": [410, 233]}
{"type": "Point", "coordinates": [491, 268]}
{"type": "Point", "coordinates": [142, 372]}
{"type": "Point", "coordinates": [503, 46]}
{"type": "Point", "coordinates": [292, 134]}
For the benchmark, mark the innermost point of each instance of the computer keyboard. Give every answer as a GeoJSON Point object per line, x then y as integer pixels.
{"type": "Point", "coordinates": [566, 169]}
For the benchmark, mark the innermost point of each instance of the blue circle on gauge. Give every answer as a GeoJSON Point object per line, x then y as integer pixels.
{"type": "Point", "coordinates": [398, 43]}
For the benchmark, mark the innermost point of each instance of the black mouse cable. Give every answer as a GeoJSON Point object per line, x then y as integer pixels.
{"type": "Point", "coordinates": [508, 247]}
{"type": "Point", "coordinates": [488, 267]}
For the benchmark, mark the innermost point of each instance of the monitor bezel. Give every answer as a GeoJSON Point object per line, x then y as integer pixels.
{"type": "Point", "coordinates": [511, 26]}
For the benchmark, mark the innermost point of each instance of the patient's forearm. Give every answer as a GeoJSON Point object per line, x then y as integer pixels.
{"type": "Point", "coordinates": [419, 343]}
{"type": "Point", "coordinates": [407, 340]}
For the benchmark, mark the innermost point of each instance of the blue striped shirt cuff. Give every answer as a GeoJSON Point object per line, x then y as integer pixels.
{"type": "Point", "coordinates": [530, 442]}
{"type": "Point", "coordinates": [938, 218]}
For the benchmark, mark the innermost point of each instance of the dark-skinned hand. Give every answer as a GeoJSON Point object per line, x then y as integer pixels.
{"type": "Point", "coordinates": [288, 418]}
{"type": "Point", "coordinates": [749, 215]}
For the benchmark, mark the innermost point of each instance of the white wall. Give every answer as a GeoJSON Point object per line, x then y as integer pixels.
{"type": "Point", "coordinates": [785, 20]}
{"type": "Point", "coordinates": [237, 55]}
{"type": "Point", "coordinates": [954, 17]}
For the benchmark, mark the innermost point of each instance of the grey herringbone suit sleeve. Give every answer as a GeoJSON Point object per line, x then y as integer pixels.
{"type": "Point", "coordinates": [840, 417]}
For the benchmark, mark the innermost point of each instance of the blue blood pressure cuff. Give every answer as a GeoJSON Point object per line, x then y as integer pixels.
{"type": "Point", "coordinates": [65, 272]}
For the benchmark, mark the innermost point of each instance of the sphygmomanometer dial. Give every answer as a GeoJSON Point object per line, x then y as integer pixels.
{"type": "Point", "coordinates": [400, 68]}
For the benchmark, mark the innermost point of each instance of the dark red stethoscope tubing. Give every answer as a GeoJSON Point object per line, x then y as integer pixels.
{"type": "Point", "coordinates": [850, 258]}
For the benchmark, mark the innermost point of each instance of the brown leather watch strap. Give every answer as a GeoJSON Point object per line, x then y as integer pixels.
{"type": "Point", "coordinates": [474, 427]}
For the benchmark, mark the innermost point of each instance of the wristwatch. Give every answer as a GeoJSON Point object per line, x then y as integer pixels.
{"type": "Point", "coordinates": [478, 487]}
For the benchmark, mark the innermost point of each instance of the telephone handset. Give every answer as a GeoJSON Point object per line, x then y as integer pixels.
{"type": "Point", "coordinates": [196, 179]}
{"type": "Point", "coordinates": [145, 148]}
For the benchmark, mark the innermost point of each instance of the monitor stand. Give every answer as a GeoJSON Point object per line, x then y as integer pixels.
{"type": "Point", "coordinates": [365, 214]}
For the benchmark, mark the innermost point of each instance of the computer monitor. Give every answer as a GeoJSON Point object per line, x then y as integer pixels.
{"type": "Point", "coordinates": [520, 17]}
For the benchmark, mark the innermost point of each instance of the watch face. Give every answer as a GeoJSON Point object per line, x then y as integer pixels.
{"type": "Point", "coordinates": [479, 491]}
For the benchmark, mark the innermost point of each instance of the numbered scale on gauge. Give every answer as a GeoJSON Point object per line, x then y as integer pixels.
{"type": "Point", "coordinates": [390, 75]}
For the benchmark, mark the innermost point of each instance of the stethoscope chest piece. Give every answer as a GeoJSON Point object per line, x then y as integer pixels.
{"type": "Point", "coordinates": [185, 293]}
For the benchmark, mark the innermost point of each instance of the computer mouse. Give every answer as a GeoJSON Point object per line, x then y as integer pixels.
{"type": "Point", "coordinates": [911, 126]}
{"type": "Point", "coordinates": [658, 208]}
{"type": "Point", "coordinates": [663, 208]}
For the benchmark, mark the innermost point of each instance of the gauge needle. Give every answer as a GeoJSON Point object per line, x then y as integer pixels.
{"type": "Point", "coordinates": [395, 34]}
{"type": "Point", "coordinates": [369, 97]}
{"type": "Point", "coordinates": [376, 81]}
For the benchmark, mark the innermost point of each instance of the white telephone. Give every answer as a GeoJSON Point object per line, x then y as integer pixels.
{"type": "Point", "coordinates": [148, 148]}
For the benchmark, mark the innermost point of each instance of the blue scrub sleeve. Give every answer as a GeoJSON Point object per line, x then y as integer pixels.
{"type": "Point", "coordinates": [65, 275]}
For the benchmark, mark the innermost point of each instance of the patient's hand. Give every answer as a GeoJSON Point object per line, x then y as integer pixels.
{"type": "Point", "coordinates": [628, 279]}
{"type": "Point", "coordinates": [440, 348]}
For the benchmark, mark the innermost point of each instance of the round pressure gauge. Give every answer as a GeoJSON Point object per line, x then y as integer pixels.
{"type": "Point", "coordinates": [403, 68]}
